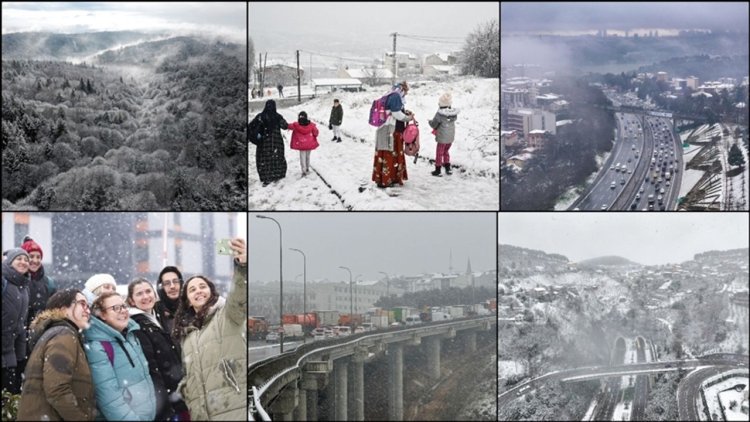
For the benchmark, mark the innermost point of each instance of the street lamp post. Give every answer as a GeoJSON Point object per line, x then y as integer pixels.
{"type": "Point", "coordinates": [387, 284]}
{"type": "Point", "coordinates": [351, 313]}
{"type": "Point", "coordinates": [304, 291]}
{"type": "Point", "coordinates": [281, 286]}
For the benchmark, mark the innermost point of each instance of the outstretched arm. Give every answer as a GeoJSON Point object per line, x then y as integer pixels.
{"type": "Point", "coordinates": [236, 312]}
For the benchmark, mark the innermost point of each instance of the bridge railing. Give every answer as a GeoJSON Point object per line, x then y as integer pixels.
{"type": "Point", "coordinates": [279, 366]}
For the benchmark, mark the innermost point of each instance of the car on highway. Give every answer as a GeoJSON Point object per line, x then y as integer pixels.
{"type": "Point", "coordinates": [667, 183]}
{"type": "Point", "coordinates": [613, 185]}
{"type": "Point", "coordinates": [651, 198]}
{"type": "Point", "coordinates": [604, 206]}
{"type": "Point", "coordinates": [661, 191]}
{"type": "Point", "coordinates": [660, 198]}
{"type": "Point", "coordinates": [622, 181]}
{"type": "Point", "coordinates": [633, 206]}
{"type": "Point", "coordinates": [612, 168]}
{"type": "Point", "coordinates": [272, 337]}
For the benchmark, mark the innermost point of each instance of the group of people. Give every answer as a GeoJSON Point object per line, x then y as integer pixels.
{"type": "Point", "coordinates": [174, 353]}
{"type": "Point", "coordinates": [389, 165]}
{"type": "Point", "coordinates": [265, 132]}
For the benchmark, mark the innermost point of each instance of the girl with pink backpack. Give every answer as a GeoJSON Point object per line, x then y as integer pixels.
{"type": "Point", "coordinates": [304, 139]}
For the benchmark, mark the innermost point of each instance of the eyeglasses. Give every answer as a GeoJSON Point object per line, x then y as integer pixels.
{"type": "Point", "coordinates": [167, 283]}
{"type": "Point", "coordinates": [118, 308]}
{"type": "Point", "coordinates": [82, 302]}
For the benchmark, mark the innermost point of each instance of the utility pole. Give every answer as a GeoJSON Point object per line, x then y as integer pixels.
{"type": "Point", "coordinates": [393, 79]}
{"type": "Point", "coordinates": [299, 81]}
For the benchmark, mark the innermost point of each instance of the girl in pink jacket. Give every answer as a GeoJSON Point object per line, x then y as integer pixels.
{"type": "Point", "coordinates": [304, 139]}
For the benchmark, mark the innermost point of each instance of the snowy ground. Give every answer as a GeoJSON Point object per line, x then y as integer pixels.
{"type": "Point", "coordinates": [341, 177]}
{"type": "Point", "coordinates": [712, 392]}
{"type": "Point", "coordinates": [508, 368]}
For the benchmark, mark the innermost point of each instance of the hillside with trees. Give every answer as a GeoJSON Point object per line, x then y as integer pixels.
{"type": "Point", "coordinates": [155, 126]}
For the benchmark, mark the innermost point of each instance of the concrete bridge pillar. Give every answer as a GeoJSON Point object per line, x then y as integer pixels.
{"type": "Point", "coordinates": [285, 403]}
{"type": "Point", "coordinates": [433, 356]}
{"type": "Point", "coordinates": [300, 413]}
{"type": "Point", "coordinates": [396, 410]}
{"type": "Point", "coordinates": [471, 341]}
{"type": "Point", "coordinates": [314, 379]}
{"type": "Point", "coordinates": [358, 384]}
{"type": "Point", "coordinates": [340, 373]}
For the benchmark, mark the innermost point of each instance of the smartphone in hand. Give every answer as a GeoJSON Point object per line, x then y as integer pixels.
{"type": "Point", "coordinates": [223, 248]}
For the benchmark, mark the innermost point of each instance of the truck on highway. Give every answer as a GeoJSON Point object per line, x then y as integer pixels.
{"type": "Point", "coordinates": [293, 331]}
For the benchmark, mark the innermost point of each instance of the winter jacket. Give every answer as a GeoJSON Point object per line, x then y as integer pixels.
{"type": "Point", "coordinates": [57, 384]}
{"type": "Point", "coordinates": [304, 138]}
{"type": "Point", "coordinates": [337, 115]}
{"type": "Point", "coordinates": [123, 387]}
{"type": "Point", "coordinates": [445, 123]}
{"type": "Point", "coordinates": [215, 358]}
{"type": "Point", "coordinates": [164, 362]}
{"type": "Point", "coordinates": [15, 311]}
{"type": "Point", "coordinates": [41, 288]}
{"type": "Point", "coordinates": [165, 309]}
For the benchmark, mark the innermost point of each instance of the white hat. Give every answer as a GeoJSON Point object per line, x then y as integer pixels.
{"type": "Point", "coordinates": [98, 280]}
{"type": "Point", "coordinates": [445, 100]}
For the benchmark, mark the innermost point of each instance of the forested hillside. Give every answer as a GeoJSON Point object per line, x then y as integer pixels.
{"type": "Point", "coordinates": [162, 129]}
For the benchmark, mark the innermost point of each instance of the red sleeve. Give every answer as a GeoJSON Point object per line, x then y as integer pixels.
{"type": "Point", "coordinates": [315, 130]}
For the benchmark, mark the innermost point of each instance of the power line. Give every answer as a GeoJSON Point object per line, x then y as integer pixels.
{"type": "Point", "coordinates": [338, 57]}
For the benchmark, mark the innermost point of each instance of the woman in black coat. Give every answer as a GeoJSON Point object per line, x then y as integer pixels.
{"type": "Point", "coordinates": [265, 132]}
{"type": "Point", "coordinates": [163, 355]}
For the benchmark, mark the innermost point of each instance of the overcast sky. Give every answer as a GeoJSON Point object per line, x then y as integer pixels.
{"type": "Point", "coordinates": [396, 243]}
{"type": "Point", "coordinates": [362, 29]}
{"type": "Point", "coordinates": [225, 19]}
{"type": "Point", "coordinates": [646, 238]}
{"type": "Point", "coordinates": [626, 15]}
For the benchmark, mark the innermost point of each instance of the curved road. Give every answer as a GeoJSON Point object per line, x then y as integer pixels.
{"type": "Point", "coordinates": [726, 360]}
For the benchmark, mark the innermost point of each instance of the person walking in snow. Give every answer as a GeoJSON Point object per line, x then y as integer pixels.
{"type": "Point", "coordinates": [389, 166]}
{"type": "Point", "coordinates": [213, 334]}
{"type": "Point", "coordinates": [304, 139]}
{"type": "Point", "coordinates": [334, 122]}
{"type": "Point", "coordinates": [59, 388]}
{"type": "Point", "coordinates": [444, 124]}
{"type": "Point", "coordinates": [269, 155]}
{"type": "Point", "coordinates": [163, 356]}
{"type": "Point", "coordinates": [280, 87]}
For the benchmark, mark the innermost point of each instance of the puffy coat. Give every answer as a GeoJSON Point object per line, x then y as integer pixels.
{"type": "Point", "coordinates": [164, 362]}
{"type": "Point", "coordinates": [215, 358]}
{"type": "Point", "coordinates": [57, 382]}
{"type": "Point", "coordinates": [124, 390]}
{"type": "Point", "coordinates": [15, 311]}
{"type": "Point", "coordinates": [445, 123]}
{"type": "Point", "coordinates": [337, 115]}
{"type": "Point", "coordinates": [41, 288]}
{"type": "Point", "coordinates": [304, 138]}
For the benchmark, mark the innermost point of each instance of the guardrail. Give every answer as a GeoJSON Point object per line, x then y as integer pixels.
{"type": "Point", "coordinates": [276, 372]}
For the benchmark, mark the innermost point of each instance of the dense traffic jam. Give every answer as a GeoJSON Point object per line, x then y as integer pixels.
{"type": "Point", "coordinates": [663, 164]}
{"type": "Point", "coordinates": [320, 325]}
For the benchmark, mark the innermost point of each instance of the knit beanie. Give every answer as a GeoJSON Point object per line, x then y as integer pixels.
{"type": "Point", "coordinates": [98, 280]}
{"type": "Point", "coordinates": [30, 246]}
{"type": "Point", "coordinates": [14, 253]}
{"type": "Point", "coordinates": [445, 100]}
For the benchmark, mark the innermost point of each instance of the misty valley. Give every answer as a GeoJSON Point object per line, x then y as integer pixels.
{"type": "Point", "coordinates": [123, 121]}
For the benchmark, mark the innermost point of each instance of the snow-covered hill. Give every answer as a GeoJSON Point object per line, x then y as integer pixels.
{"type": "Point", "coordinates": [342, 171]}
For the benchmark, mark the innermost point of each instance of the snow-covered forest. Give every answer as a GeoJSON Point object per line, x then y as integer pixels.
{"type": "Point", "coordinates": [107, 122]}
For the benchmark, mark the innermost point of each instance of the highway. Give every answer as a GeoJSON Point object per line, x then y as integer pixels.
{"type": "Point", "coordinates": [729, 360]}
{"type": "Point", "coordinates": [652, 147]}
{"type": "Point", "coordinates": [640, 397]}
{"type": "Point", "coordinates": [689, 388]}
{"type": "Point", "coordinates": [606, 408]}
{"type": "Point", "coordinates": [617, 169]}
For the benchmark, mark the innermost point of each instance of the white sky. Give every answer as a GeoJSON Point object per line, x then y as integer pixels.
{"type": "Point", "coordinates": [225, 19]}
{"type": "Point", "coordinates": [646, 238]}
{"type": "Point", "coordinates": [369, 242]}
